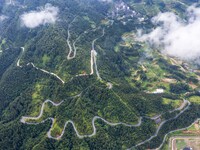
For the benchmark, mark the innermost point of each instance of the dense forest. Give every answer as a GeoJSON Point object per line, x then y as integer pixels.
{"type": "Point", "coordinates": [89, 64]}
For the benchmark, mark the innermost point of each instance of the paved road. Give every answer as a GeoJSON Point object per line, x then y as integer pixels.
{"type": "Point", "coordinates": [18, 61]}
{"type": "Point", "coordinates": [158, 129]}
{"type": "Point", "coordinates": [172, 141]}
{"type": "Point", "coordinates": [25, 118]}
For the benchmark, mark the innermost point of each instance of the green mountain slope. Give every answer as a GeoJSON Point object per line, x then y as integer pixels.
{"type": "Point", "coordinates": [85, 82]}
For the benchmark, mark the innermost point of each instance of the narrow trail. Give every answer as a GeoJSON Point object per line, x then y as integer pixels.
{"type": "Point", "coordinates": [47, 72]}
{"type": "Point", "coordinates": [24, 118]}
{"type": "Point", "coordinates": [160, 126]}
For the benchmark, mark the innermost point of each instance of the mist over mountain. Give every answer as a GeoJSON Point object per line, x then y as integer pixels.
{"type": "Point", "coordinates": [46, 15]}
{"type": "Point", "coordinates": [175, 36]}
{"type": "Point", "coordinates": [97, 74]}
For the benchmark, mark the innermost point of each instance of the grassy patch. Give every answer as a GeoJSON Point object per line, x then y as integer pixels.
{"type": "Point", "coordinates": [180, 144]}
{"type": "Point", "coordinates": [93, 24]}
{"type": "Point", "coordinates": [2, 43]}
{"type": "Point", "coordinates": [173, 103]}
{"type": "Point", "coordinates": [195, 99]}
{"type": "Point", "coordinates": [37, 93]}
{"type": "Point", "coordinates": [45, 59]}
{"type": "Point", "coordinates": [56, 130]}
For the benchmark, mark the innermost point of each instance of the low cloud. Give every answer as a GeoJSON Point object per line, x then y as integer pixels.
{"type": "Point", "coordinates": [107, 1]}
{"type": "Point", "coordinates": [46, 15]}
{"type": "Point", "coordinates": [3, 17]}
{"type": "Point", "coordinates": [10, 2]}
{"type": "Point", "coordinates": [175, 36]}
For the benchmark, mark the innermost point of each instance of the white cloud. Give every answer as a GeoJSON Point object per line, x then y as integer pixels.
{"type": "Point", "coordinates": [10, 2]}
{"type": "Point", "coordinates": [107, 1]}
{"type": "Point", "coordinates": [46, 15]}
{"type": "Point", "coordinates": [3, 17]}
{"type": "Point", "coordinates": [175, 36]}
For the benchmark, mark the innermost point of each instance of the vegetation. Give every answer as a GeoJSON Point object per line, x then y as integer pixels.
{"type": "Point", "coordinates": [132, 68]}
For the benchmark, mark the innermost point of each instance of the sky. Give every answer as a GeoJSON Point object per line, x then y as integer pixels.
{"type": "Point", "coordinates": [175, 36]}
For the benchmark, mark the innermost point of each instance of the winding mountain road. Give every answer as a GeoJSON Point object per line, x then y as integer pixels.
{"type": "Point", "coordinates": [93, 59]}
{"type": "Point", "coordinates": [24, 118]}
{"type": "Point", "coordinates": [174, 131]}
{"type": "Point", "coordinates": [185, 102]}
{"type": "Point", "coordinates": [160, 126]}
{"type": "Point", "coordinates": [18, 61]}
{"type": "Point", "coordinates": [70, 56]}
{"type": "Point", "coordinates": [76, 40]}
{"type": "Point", "coordinates": [93, 126]}
{"type": "Point", "coordinates": [93, 56]}
{"type": "Point", "coordinates": [93, 42]}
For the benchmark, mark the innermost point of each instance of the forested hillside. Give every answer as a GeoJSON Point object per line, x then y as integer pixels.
{"type": "Point", "coordinates": [73, 75]}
